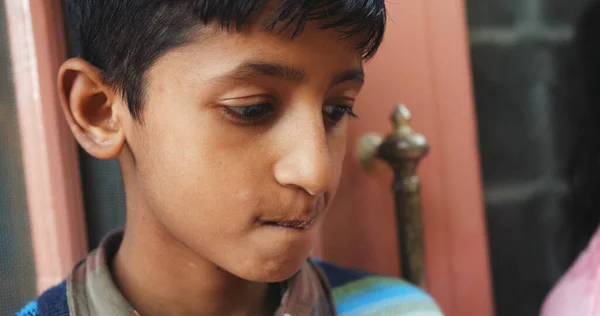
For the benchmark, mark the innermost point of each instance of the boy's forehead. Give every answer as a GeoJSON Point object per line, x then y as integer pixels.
{"type": "Point", "coordinates": [257, 47]}
{"type": "Point", "coordinates": [249, 69]}
{"type": "Point", "coordinates": [226, 58]}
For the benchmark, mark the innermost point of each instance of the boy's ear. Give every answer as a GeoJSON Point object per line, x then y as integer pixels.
{"type": "Point", "coordinates": [91, 109]}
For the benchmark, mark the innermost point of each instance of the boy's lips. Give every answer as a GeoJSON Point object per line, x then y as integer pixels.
{"type": "Point", "coordinates": [292, 224]}
{"type": "Point", "coordinates": [300, 223]}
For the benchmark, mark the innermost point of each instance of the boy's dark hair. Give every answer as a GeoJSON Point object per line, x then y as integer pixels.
{"type": "Point", "coordinates": [124, 37]}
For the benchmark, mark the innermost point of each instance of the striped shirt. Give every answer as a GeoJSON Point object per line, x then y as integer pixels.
{"type": "Point", "coordinates": [318, 289]}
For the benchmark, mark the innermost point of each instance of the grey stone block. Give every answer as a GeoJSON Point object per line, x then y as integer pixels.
{"type": "Point", "coordinates": [492, 12]}
{"type": "Point", "coordinates": [524, 257]}
{"type": "Point", "coordinates": [511, 94]}
{"type": "Point", "coordinates": [561, 12]}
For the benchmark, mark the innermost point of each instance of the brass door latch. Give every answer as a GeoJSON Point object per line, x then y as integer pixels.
{"type": "Point", "coordinates": [402, 149]}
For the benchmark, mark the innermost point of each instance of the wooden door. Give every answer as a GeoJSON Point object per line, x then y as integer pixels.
{"type": "Point", "coordinates": [54, 197]}
{"type": "Point", "coordinates": [424, 63]}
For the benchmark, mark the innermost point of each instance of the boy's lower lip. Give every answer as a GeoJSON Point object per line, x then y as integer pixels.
{"type": "Point", "coordinates": [291, 224]}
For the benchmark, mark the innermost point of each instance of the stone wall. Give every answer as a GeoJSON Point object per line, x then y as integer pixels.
{"type": "Point", "coordinates": [520, 50]}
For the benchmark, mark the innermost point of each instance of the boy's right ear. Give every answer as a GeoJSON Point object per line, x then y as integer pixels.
{"type": "Point", "coordinates": [91, 108]}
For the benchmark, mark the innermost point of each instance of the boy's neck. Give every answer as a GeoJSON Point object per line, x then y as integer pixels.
{"type": "Point", "coordinates": [160, 276]}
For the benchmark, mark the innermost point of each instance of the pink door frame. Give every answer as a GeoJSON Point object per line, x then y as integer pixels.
{"type": "Point", "coordinates": [54, 196]}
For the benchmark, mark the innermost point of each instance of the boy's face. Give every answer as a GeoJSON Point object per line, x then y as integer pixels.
{"type": "Point", "coordinates": [239, 148]}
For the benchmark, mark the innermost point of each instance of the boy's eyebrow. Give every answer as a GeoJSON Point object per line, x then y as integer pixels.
{"type": "Point", "coordinates": [357, 75]}
{"type": "Point", "coordinates": [252, 69]}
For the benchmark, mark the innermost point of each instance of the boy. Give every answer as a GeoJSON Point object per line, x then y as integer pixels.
{"type": "Point", "coordinates": [229, 121]}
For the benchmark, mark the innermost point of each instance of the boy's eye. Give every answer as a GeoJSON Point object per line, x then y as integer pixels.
{"type": "Point", "coordinates": [335, 113]}
{"type": "Point", "coordinates": [250, 114]}
{"type": "Point", "coordinates": [254, 114]}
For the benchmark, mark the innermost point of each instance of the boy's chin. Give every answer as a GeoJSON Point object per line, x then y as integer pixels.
{"type": "Point", "coordinates": [273, 271]}
{"type": "Point", "coordinates": [277, 277]}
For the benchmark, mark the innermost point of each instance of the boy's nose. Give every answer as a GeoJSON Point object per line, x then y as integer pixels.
{"type": "Point", "coordinates": [306, 162]}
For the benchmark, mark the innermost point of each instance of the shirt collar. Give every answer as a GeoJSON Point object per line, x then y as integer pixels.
{"type": "Point", "coordinates": [91, 290]}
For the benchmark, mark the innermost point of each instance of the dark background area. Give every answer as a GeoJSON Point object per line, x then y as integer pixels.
{"type": "Point", "coordinates": [521, 56]}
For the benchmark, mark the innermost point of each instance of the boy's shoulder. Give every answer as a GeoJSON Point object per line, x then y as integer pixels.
{"type": "Point", "coordinates": [360, 293]}
{"type": "Point", "coordinates": [53, 302]}
{"type": "Point", "coordinates": [354, 292]}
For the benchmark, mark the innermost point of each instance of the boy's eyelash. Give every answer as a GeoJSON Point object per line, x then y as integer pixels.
{"type": "Point", "coordinates": [337, 112]}
{"type": "Point", "coordinates": [349, 110]}
{"type": "Point", "coordinates": [253, 114]}
{"type": "Point", "coordinates": [250, 114]}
